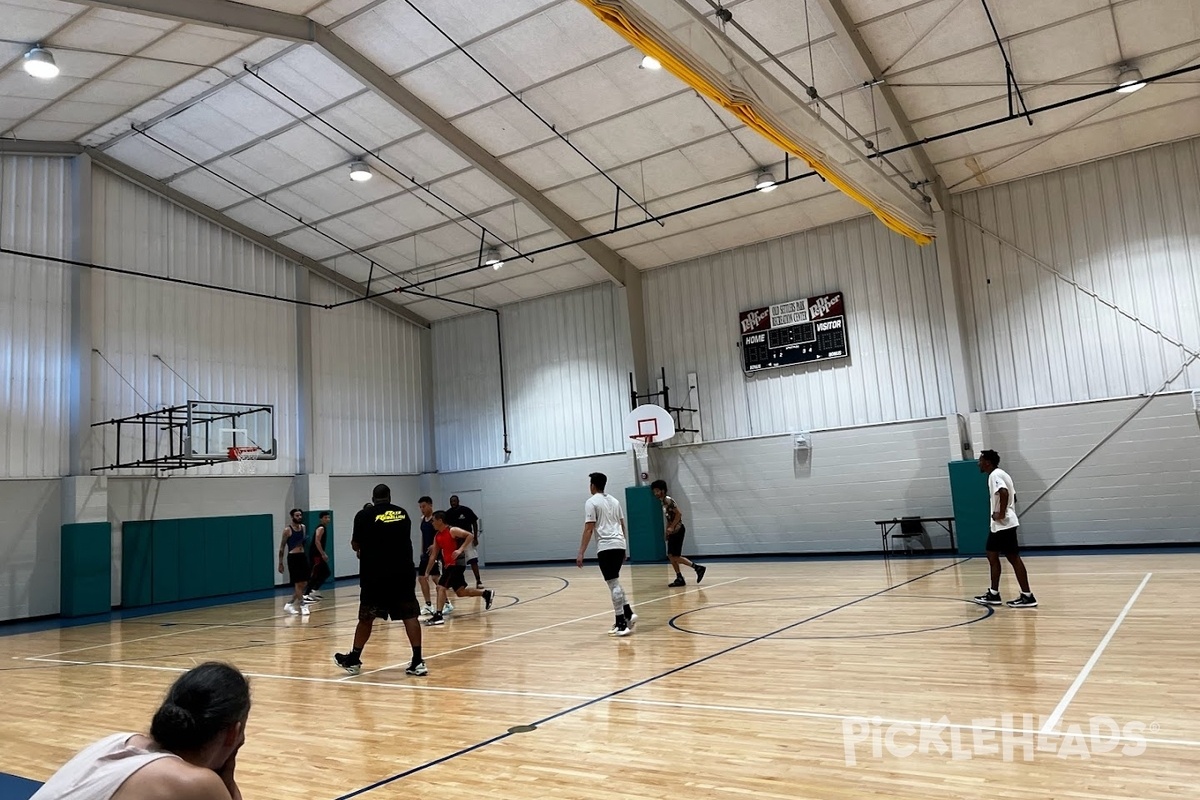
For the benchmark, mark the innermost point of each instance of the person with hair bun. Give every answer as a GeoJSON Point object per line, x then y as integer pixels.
{"type": "Point", "coordinates": [190, 754]}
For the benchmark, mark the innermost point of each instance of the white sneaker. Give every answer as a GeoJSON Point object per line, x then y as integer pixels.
{"type": "Point", "coordinates": [615, 631]}
{"type": "Point", "coordinates": [631, 621]}
{"type": "Point", "coordinates": [291, 609]}
{"type": "Point", "coordinates": [446, 609]}
{"type": "Point", "coordinates": [427, 611]}
{"type": "Point", "coordinates": [305, 610]}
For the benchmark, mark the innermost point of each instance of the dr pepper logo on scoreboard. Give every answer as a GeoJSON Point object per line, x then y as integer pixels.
{"type": "Point", "coordinates": [792, 313]}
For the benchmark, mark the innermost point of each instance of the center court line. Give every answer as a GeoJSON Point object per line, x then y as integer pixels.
{"type": "Point", "coordinates": [544, 628]}
{"type": "Point", "coordinates": [1052, 722]}
{"type": "Point", "coordinates": [179, 633]}
{"type": "Point", "coordinates": [644, 682]}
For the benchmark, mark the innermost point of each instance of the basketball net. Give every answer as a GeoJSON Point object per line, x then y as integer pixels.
{"type": "Point", "coordinates": [245, 458]}
{"type": "Point", "coordinates": [641, 453]}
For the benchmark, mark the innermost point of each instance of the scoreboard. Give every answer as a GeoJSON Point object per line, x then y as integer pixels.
{"type": "Point", "coordinates": [796, 332]}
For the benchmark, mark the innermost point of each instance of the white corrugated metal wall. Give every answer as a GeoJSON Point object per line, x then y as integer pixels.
{"type": "Point", "coordinates": [898, 369]}
{"type": "Point", "coordinates": [567, 362]}
{"type": "Point", "coordinates": [228, 347]}
{"type": "Point", "coordinates": [1127, 228]}
{"type": "Point", "coordinates": [34, 335]}
{"type": "Point", "coordinates": [369, 375]}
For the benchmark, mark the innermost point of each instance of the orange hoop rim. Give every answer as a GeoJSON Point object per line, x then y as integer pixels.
{"type": "Point", "coordinates": [240, 453]}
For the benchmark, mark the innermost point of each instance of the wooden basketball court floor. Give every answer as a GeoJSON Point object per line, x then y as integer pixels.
{"type": "Point", "coordinates": [789, 679]}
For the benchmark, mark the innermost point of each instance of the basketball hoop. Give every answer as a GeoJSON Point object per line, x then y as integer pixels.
{"type": "Point", "coordinates": [641, 451]}
{"type": "Point", "coordinates": [245, 458]}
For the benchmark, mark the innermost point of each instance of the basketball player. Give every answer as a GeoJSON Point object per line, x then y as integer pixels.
{"type": "Point", "coordinates": [459, 516]}
{"type": "Point", "coordinates": [446, 542]}
{"type": "Point", "coordinates": [387, 584]}
{"type": "Point", "coordinates": [675, 531]}
{"type": "Point", "coordinates": [1003, 536]}
{"type": "Point", "coordinates": [291, 544]}
{"type": "Point", "coordinates": [320, 560]}
{"type": "Point", "coordinates": [603, 517]}
{"type": "Point", "coordinates": [191, 751]}
{"type": "Point", "coordinates": [425, 569]}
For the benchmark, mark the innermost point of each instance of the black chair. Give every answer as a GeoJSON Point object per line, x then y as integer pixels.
{"type": "Point", "coordinates": [910, 528]}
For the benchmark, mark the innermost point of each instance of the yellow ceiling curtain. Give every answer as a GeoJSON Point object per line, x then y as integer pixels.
{"type": "Point", "coordinates": [756, 119]}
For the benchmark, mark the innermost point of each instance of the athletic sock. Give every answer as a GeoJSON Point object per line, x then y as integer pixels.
{"type": "Point", "coordinates": [620, 623]}
{"type": "Point", "coordinates": [628, 611]}
{"type": "Point", "coordinates": [416, 656]}
{"type": "Point", "coordinates": [356, 652]}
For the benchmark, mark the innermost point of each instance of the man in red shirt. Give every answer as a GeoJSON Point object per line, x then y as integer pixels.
{"type": "Point", "coordinates": [452, 544]}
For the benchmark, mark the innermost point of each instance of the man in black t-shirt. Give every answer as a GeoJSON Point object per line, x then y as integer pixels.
{"type": "Point", "coordinates": [459, 516]}
{"type": "Point", "coordinates": [382, 539]}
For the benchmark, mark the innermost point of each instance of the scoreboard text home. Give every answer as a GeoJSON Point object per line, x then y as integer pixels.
{"type": "Point", "coordinates": [796, 332]}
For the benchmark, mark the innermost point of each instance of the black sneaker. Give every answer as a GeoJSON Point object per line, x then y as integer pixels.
{"type": "Point", "coordinates": [349, 662]}
{"type": "Point", "coordinates": [419, 669]}
{"type": "Point", "coordinates": [1024, 601]}
{"type": "Point", "coordinates": [436, 619]}
{"type": "Point", "coordinates": [488, 597]}
{"type": "Point", "coordinates": [700, 572]}
{"type": "Point", "coordinates": [989, 598]}
{"type": "Point", "coordinates": [679, 581]}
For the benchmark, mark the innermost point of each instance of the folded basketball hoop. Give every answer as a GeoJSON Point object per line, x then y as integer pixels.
{"type": "Point", "coordinates": [245, 458]}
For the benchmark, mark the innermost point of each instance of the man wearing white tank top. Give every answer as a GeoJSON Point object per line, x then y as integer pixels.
{"type": "Point", "coordinates": [190, 754]}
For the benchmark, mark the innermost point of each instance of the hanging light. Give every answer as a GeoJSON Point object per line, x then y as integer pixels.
{"type": "Point", "coordinates": [1129, 80]}
{"type": "Point", "coordinates": [765, 182]}
{"type": "Point", "coordinates": [39, 62]}
{"type": "Point", "coordinates": [359, 172]}
{"type": "Point", "coordinates": [650, 62]}
{"type": "Point", "coordinates": [492, 259]}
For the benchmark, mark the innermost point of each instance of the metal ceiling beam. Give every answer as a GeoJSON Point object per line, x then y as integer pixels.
{"type": "Point", "coordinates": [292, 27]}
{"type": "Point", "coordinates": [27, 147]}
{"type": "Point", "coordinates": [212, 215]}
{"type": "Point", "coordinates": [844, 25]}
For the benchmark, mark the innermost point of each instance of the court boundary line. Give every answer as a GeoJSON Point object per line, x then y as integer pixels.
{"type": "Point", "coordinates": [1055, 716]}
{"type": "Point", "coordinates": [644, 682]}
{"type": "Point", "coordinates": [534, 630]}
{"type": "Point", "coordinates": [778, 712]}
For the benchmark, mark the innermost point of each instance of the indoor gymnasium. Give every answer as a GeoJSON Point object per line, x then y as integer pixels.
{"type": "Point", "coordinates": [599, 399]}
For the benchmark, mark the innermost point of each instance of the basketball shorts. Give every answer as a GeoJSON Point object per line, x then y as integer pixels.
{"type": "Point", "coordinates": [675, 542]}
{"type": "Point", "coordinates": [1004, 541]}
{"type": "Point", "coordinates": [437, 567]}
{"type": "Point", "coordinates": [610, 563]}
{"type": "Point", "coordinates": [298, 569]}
{"type": "Point", "coordinates": [454, 578]}
{"type": "Point", "coordinates": [396, 602]}
{"type": "Point", "coordinates": [471, 554]}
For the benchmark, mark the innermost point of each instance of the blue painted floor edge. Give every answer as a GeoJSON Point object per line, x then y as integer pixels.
{"type": "Point", "coordinates": [14, 787]}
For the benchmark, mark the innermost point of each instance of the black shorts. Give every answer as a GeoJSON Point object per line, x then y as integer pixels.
{"type": "Point", "coordinates": [437, 567]}
{"type": "Point", "coordinates": [675, 542]}
{"type": "Point", "coordinates": [394, 603]}
{"type": "Point", "coordinates": [610, 563]}
{"type": "Point", "coordinates": [454, 578]}
{"type": "Point", "coordinates": [298, 569]}
{"type": "Point", "coordinates": [1004, 541]}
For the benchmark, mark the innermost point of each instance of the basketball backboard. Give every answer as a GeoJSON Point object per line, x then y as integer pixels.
{"type": "Point", "coordinates": [649, 422]}
{"type": "Point", "coordinates": [213, 429]}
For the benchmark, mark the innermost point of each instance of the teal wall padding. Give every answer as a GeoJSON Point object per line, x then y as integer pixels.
{"type": "Point", "coordinates": [972, 507]}
{"type": "Point", "coordinates": [644, 517]}
{"type": "Point", "coordinates": [167, 560]}
{"type": "Point", "coordinates": [86, 569]}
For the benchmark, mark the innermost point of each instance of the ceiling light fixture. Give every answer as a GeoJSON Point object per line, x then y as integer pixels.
{"type": "Point", "coordinates": [765, 182]}
{"type": "Point", "coordinates": [650, 62]}
{"type": "Point", "coordinates": [39, 63]}
{"type": "Point", "coordinates": [359, 172]}
{"type": "Point", "coordinates": [492, 259]}
{"type": "Point", "coordinates": [1129, 79]}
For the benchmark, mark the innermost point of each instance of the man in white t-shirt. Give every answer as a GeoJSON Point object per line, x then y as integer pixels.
{"type": "Point", "coordinates": [1003, 536]}
{"type": "Point", "coordinates": [603, 517]}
